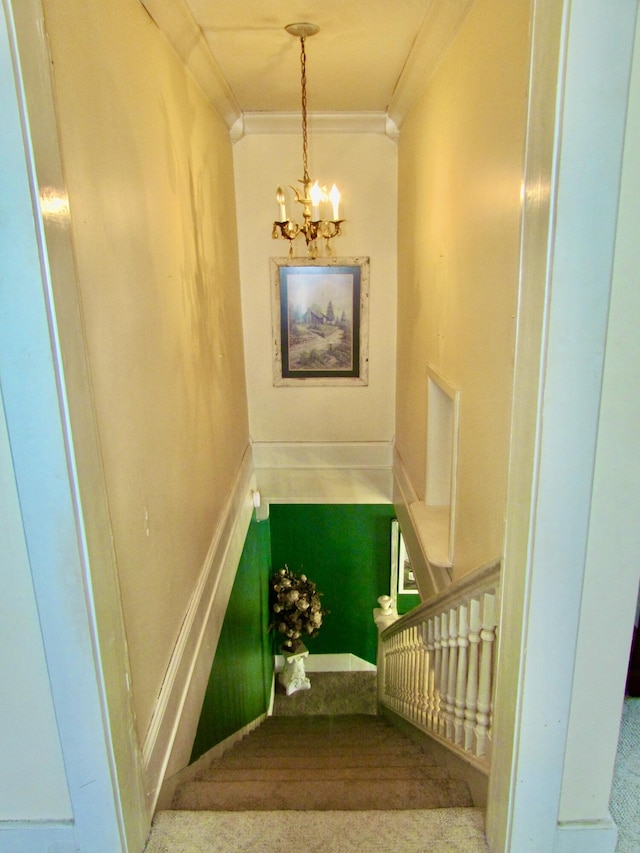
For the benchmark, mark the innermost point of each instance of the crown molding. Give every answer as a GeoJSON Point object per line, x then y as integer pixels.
{"type": "Point", "coordinates": [439, 27]}
{"type": "Point", "coordinates": [289, 122]}
{"type": "Point", "coordinates": [178, 26]}
{"type": "Point", "coordinates": [176, 22]}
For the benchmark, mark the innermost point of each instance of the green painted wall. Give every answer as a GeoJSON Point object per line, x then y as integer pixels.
{"type": "Point", "coordinates": [240, 682]}
{"type": "Point", "coordinates": [407, 602]}
{"type": "Point", "coordinates": [346, 551]}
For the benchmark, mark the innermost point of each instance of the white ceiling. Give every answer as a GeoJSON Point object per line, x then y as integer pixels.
{"type": "Point", "coordinates": [353, 63]}
{"type": "Point", "coordinates": [370, 56]}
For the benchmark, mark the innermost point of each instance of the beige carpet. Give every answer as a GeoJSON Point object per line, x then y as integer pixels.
{"type": "Point", "coordinates": [328, 762]}
{"type": "Point", "coordinates": [332, 830]}
{"type": "Point", "coordinates": [432, 831]}
{"type": "Point", "coordinates": [625, 793]}
{"type": "Point", "coordinates": [331, 693]}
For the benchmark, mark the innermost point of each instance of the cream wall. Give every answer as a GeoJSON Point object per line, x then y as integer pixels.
{"type": "Point", "coordinates": [363, 165]}
{"type": "Point", "coordinates": [150, 180]}
{"type": "Point", "coordinates": [460, 172]}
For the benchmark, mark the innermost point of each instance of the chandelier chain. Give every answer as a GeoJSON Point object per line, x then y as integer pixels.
{"type": "Point", "coordinates": [303, 66]}
{"type": "Point", "coordinates": [313, 227]}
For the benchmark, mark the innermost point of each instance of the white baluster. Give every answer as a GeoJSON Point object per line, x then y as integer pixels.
{"type": "Point", "coordinates": [444, 673]}
{"type": "Point", "coordinates": [397, 682]}
{"type": "Point", "coordinates": [395, 672]}
{"type": "Point", "coordinates": [437, 644]}
{"type": "Point", "coordinates": [390, 671]}
{"type": "Point", "coordinates": [452, 672]}
{"type": "Point", "coordinates": [424, 673]}
{"type": "Point", "coordinates": [412, 675]}
{"type": "Point", "coordinates": [461, 678]}
{"type": "Point", "coordinates": [402, 665]}
{"type": "Point", "coordinates": [431, 687]}
{"type": "Point", "coordinates": [471, 702]}
{"type": "Point", "coordinates": [411, 681]}
{"type": "Point", "coordinates": [414, 696]}
{"type": "Point", "coordinates": [487, 635]}
{"type": "Point", "coordinates": [382, 669]}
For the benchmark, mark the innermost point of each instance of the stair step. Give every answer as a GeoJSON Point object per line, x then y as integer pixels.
{"type": "Point", "coordinates": [322, 795]}
{"type": "Point", "coordinates": [324, 737]}
{"type": "Point", "coordinates": [323, 763]}
{"type": "Point", "coordinates": [331, 692]}
{"type": "Point", "coordinates": [351, 732]}
{"type": "Point", "coordinates": [300, 733]}
{"type": "Point", "coordinates": [439, 831]}
{"type": "Point", "coordinates": [337, 771]}
{"type": "Point", "coordinates": [322, 723]}
{"type": "Point", "coordinates": [339, 746]}
{"type": "Point", "coordinates": [313, 720]}
{"type": "Point", "coordinates": [340, 759]}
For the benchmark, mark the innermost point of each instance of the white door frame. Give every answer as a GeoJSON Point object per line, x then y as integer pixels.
{"type": "Point", "coordinates": [72, 567]}
{"type": "Point", "coordinates": [571, 191]}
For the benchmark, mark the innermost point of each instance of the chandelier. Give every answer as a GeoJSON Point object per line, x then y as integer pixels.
{"type": "Point", "coordinates": [312, 195]}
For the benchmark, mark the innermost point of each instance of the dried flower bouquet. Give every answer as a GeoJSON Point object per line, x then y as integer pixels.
{"type": "Point", "coordinates": [296, 608]}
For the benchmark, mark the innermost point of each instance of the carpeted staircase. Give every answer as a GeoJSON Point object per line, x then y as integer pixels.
{"type": "Point", "coordinates": [326, 774]}
{"type": "Point", "coordinates": [323, 763]}
{"type": "Point", "coordinates": [325, 749]}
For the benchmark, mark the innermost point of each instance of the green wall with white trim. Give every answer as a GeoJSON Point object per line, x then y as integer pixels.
{"type": "Point", "coordinates": [346, 551]}
{"type": "Point", "coordinates": [239, 686]}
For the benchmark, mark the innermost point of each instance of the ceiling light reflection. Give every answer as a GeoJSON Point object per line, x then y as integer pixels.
{"type": "Point", "coordinates": [54, 205]}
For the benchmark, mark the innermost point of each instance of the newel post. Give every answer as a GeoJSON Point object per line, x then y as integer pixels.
{"type": "Point", "coordinates": [383, 616]}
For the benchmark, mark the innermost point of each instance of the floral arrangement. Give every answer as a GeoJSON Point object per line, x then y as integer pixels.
{"type": "Point", "coordinates": [296, 608]}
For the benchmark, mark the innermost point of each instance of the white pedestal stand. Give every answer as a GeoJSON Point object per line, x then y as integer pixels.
{"type": "Point", "coordinates": [293, 676]}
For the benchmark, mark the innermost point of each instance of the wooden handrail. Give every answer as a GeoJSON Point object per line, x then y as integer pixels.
{"type": "Point", "coordinates": [482, 578]}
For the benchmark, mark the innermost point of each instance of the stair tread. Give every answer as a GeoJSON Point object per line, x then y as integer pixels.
{"type": "Point", "coordinates": [323, 762]}
{"type": "Point", "coordinates": [338, 692]}
{"type": "Point", "coordinates": [324, 795]}
{"type": "Point", "coordinates": [295, 761]}
{"type": "Point", "coordinates": [295, 726]}
{"type": "Point", "coordinates": [295, 731]}
{"type": "Point", "coordinates": [338, 771]}
{"type": "Point", "coordinates": [316, 719]}
{"type": "Point", "coordinates": [382, 748]}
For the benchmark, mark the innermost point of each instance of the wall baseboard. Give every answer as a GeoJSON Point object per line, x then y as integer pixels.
{"type": "Point", "coordinates": [344, 662]}
{"type": "Point", "coordinates": [27, 836]}
{"type": "Point", "coordinates": [599, 836]}
{"type": "Point", "coordinates": [188, 774]}
{"type": "Point", "coordinates": [169, 740]}
{"type": "Point", "coordinates": [324, 472]}
{"type": "Point", "coordinates": [322, 454]}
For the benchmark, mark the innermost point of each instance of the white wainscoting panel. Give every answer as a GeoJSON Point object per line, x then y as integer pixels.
{"type": "Point", "coordinates": [169, 740]}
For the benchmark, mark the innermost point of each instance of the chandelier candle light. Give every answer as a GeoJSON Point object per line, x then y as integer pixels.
{"type": "Point", "coordinates": [312, 194]}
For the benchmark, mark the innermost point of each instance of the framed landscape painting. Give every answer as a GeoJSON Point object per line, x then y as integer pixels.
{"type": "Point", "coordinates": [320, 317]}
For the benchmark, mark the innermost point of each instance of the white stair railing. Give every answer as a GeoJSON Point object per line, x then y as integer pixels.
{"type": "Point", "coordinates": [436, 663]}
